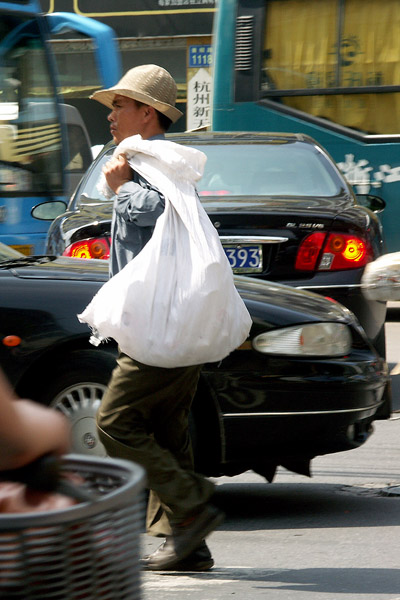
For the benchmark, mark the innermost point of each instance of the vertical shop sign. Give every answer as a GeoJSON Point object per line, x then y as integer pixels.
{"type": "Point", "coordinates": [198, 86]}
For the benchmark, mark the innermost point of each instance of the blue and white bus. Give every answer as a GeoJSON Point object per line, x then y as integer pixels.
{"type": "Point", "coordinates": [44, 146]}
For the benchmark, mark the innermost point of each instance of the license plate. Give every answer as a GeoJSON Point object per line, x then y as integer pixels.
{"type": "Point", "coordinates": [244, 258]}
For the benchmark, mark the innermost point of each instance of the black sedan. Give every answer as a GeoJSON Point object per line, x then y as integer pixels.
{"type": "Point", "coordinates": [283, 211]}
{"type": "Point", "coordinates": [306, 382]}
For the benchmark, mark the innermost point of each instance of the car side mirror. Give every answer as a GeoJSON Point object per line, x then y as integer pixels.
{"type": "Point", "coordinates": [374, 203]}
{"type": "Point", "coordinates": [48, 211]}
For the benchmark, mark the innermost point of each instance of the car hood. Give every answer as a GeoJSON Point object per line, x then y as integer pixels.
{"type": "Point", "coordinates": [62, 267]}
{"type": "Point", "coordinates": [289, 305]}
{"type": "Point", "coordinates": [92, 220]}
{"type": "Point", "coordinates": [284, 205]}
{"type": "Point", "coordinates": [264, 205]}
{"type": "Point", "coordinates": [99, 211]}
{"type": "Point", "coordinates": [276, 213]}
{"type": "Point", "coordinates": [268, 302]}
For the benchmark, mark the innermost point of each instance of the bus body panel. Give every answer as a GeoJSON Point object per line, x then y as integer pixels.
{"type": "Point", "coordinates": [18, 213]}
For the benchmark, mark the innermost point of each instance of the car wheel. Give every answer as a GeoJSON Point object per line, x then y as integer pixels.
{"type": "Point", "coordinates": [77, 392]}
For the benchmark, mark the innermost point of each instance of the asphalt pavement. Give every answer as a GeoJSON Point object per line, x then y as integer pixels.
{"type": "Point", "coordinates": [335, 536]}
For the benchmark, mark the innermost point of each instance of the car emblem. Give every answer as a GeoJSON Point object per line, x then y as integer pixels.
{"type": "Point", "coordinates": [305, 225]}
{"type": "Point", "coordinates": [89, 440]}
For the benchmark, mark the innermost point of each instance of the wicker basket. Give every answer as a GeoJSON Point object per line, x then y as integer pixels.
{"type": "Point", "coordinates": [89, 551]}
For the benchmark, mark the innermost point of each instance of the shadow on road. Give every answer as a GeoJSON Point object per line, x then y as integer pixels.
{"type": "Point", "coordinates": [322, 580]}
{"type": "Point", "coordinates": [255, 506]}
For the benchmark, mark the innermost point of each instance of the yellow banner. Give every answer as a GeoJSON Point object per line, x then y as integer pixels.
{"type": "Point", "coordinates": [315, 44]}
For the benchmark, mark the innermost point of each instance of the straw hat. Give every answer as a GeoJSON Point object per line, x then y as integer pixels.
{"type": "Point", "coordinates": [149, 84]}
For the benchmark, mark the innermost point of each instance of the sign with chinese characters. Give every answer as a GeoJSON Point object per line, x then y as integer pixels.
{"type": "Point", "coordinates": [138, 18]}
{"type": "Point", "coordinates": [198, 85]}
{"type": "Point", "coordinates": [362, 176]}
{"type": "Point", "coordinates": [198, 100]}
{"type": "Point", "coordinates": [200, 56]}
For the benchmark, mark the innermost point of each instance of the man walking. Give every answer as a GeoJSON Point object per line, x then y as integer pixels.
{"type": "Point", "coordinates": [144, 414]}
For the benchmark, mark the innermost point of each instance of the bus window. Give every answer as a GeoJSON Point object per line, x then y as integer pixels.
{"type": "Point", "coordinates": [30, 135]}
{"type": "Point", "coordinates": [317, 53]}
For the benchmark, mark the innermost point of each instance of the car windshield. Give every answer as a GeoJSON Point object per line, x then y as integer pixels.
{"type": "Point", "coordinates": [293, 169]}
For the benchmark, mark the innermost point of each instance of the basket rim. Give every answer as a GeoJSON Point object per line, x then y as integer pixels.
{"type": "Point", "coordinates": [132, 473]}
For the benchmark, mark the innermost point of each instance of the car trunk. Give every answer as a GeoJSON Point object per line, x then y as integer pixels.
{"type": "Point", "coordinates": [277, 226]}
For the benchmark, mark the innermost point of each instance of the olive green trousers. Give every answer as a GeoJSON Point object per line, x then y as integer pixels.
{"type": "Point", "coordinates": [143, 417]}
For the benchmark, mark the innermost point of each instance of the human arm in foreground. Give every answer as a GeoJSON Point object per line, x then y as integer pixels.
{"type": "Point", "coordinates": [28, 430]}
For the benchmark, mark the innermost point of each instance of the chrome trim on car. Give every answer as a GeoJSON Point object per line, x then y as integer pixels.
{"type": "Point", "coordinates": [306, 412]}
{"type": "Point", "coordinates": [256, 239]}
{"type": "Point", "coordinates": [328, 287]}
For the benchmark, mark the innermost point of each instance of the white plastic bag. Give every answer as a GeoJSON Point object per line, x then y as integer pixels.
{"type": "Point", "coordinates": [175, 304]}
{"type": "Point", "coordinates": [381, 278]}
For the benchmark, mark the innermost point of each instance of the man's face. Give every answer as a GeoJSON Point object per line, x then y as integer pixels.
{"type": "Point", "coordinates": [126, 118]}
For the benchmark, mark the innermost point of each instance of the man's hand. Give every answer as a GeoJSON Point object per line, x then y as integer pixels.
{"type": "Point", "coordinates": [28, 430]}
{"type": "Point", "coordinates": [117, 172]}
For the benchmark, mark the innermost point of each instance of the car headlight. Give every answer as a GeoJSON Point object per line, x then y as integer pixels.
{"type": "Point", "coordinates": [312, 339]}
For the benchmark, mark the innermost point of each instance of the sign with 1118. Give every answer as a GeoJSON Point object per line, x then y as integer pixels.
{"type": "Point", "coordinates": [200, 56]}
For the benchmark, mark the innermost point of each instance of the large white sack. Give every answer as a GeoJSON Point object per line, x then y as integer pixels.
{"type": "Point", "coordinates": [175, 304]}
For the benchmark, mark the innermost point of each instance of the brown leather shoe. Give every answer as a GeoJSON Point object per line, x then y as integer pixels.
{"type": "Point", "coordinates": [187, 537]}
{"type": "Point", "coordinates": [199, 560]}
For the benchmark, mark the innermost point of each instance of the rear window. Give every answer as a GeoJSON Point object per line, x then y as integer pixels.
{"type": "Point", "coordinates": [89, 191]}
{"type": "Point", "coordinates": [281, 169]}
{"type": "Point", "coordinates": [274, 169]}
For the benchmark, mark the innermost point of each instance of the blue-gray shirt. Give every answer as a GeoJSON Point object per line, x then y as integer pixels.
{"type": "Point", "coordinates": [136, 210]}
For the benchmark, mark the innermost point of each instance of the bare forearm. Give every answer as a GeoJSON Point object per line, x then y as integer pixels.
{"type": "Point", "coordinates": [28, 430]}
{"type": "Point", "coordinates": [36, 431]}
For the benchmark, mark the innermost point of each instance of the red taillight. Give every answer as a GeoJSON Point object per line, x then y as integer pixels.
{"type": "Point", "coordinates": [309, 251]}
{"type": "Point", "coordinates": [331, 252]}
{"type": "Point", "coordinates": [91, 248]}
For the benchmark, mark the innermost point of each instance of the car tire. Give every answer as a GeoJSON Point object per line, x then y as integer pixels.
{"type": "Point", "coordinates": [76, 391]}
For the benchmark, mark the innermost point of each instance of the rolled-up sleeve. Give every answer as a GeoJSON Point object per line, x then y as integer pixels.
{"type": "Point", "coordinates": [139, 205]}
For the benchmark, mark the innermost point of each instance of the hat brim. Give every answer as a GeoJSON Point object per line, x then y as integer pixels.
{"type": "Point", "coordinates": [107, 97]}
